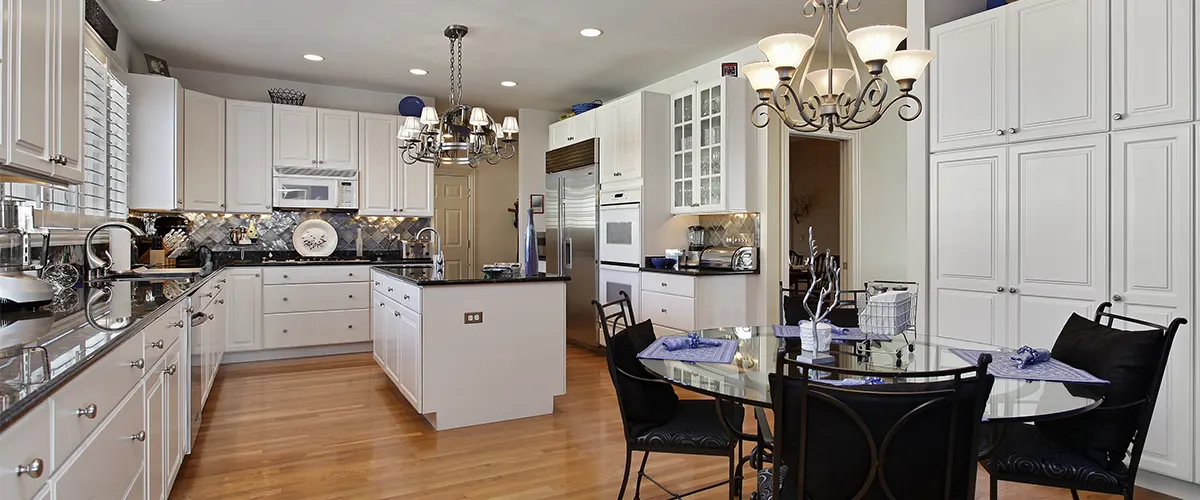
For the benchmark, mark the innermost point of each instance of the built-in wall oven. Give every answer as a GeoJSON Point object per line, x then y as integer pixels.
{"type": "Point", "coordinates": [621, 226]}
{"type": "Point", "coordinates": [617, 279]}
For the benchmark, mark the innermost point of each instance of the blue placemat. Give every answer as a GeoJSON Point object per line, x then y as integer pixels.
{"type": "Point", "coordinates": [1050, 371]}
{"type": "Point", "coordinates": [846, 335]}
{"type": "Point", "coordinates": [709, 354]}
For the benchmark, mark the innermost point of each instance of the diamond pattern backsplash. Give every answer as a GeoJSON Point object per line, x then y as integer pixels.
{"type": "Point", "coordinates": [275, 230]}
{"type": "Point", "coordinates": [739, 229]}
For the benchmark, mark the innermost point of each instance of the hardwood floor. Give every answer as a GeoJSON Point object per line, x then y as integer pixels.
{"type": "Point", "coordinates": [336, 428]}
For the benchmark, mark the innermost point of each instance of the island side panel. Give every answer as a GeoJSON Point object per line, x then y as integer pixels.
{"type": "Point", "coordinates": [509, 366]}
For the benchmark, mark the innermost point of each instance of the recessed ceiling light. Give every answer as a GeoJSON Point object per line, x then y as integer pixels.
{"type": "Point", "coordinates": [508, 83]}
{"type": "Point", "coordinates": [154, 0]}
{"type": "Point", "coordinates": [418, 71]}
{"type": "Point", "coordinates": [313, 57]}
{"type": "Point", "coordinates": [590, 32]}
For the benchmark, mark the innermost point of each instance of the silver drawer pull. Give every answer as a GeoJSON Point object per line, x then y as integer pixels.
{"type": "Point", "coordinates": [140, 436]}
{"type": "Point", "coordinates": [664, 310]}
{"type": "Point", "coordinates": [170, 370]}
{"type": "Point", "coordinates": [285, 276]}
{"type": "Point", "coordinates": [220, 301]}
{"type": "Point", "coordinates": [139, 364]}
{"type": "Point", "coordinates": [33, 470]}
{"type": "Point", "coordinates": [664, 284]}
{"type": "Point", "coordinates": [157, 344]}
{"type": "Point", "coordinates": [177, 324]}
{"type": "Point", "coordinates": [397, 313]}
{"type": "Point", "coordinates": [406, 297]}
{"type": "Point", "coordinates": [285, 299]}
{"type": "Point", "coordinates": [389, 288]}
{"type": "Point", "coordinates": [352, 296]}
{"type": "Point", "coordinates": [89, 411]}
{"type": "Point", "coordinates": [212, 316]}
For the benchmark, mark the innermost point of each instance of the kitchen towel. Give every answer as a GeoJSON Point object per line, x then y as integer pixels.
{"type": "Point", "coordinates": [722, 352]}
{"type": "Point", "coordinates": [1052, 370]}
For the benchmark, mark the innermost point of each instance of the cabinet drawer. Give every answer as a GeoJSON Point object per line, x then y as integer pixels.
{"type": "Point", "coordinates": [208, 292]}
{"type": "Point", "coordinates": [103, 384]}
{"type": "Point", "coordinates": [314, 274]}
{"type": "Point", "coordinates": [408, 295]}
{"type": "Point", "coordinates": [111, 460]}
{"type": "Point", "coordinates": [671, 311]}
{"type": "Point", "coordinates": [316, 328]}
{"type": "Point", "coordinates": [161, 334]}
{"type": "Point", "coordinates": [21, 444]}
{"type": "Point", "coordinates": [315, 297]}
{"type": "Point", "coordinates": [671, 284]}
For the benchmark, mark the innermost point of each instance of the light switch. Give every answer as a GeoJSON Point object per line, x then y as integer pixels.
{"type": "Point", "coordinates": [473, 318]}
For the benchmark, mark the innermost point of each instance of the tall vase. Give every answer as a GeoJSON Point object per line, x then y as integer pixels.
{"type": "Point", "coordinates": [531, 254]}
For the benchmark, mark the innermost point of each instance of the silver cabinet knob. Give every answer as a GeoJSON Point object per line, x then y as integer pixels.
{"type": "Point", "coordinates": [285, 276]}
{"type": "Point", "coordinates": [664, 284]}
{"type": "Point", "coordinates": [208, 295]}
{"type": "Point", "coordinates": [389, 288]}
{"type": "Point", "coordinates": [397, 313]}
{"type": "Point", "coordinates": [1118, 116]}
{"type": "Point", "coordinates": [285, 299]}
{"type": "Point", "coordinates": [285, 330]}
{"type": "Point", "coordinates": [1116, 298]}
{"type": "Point", "coordinates": [999, 289]}
{"type": "Point", "coordinates": [1012, 290]}
{"type": "Point", "coordinates": [140, 436]}
{"type": "Point", "coordinates": [1012, 130]}
{"type": "Point", "coordinates": [220, 301]}
{"type": "Point", "coordinates": [212, 316]}
{"type": "Point", "coordinates": [33, 470]}
{"type": "Point", "coordinates": [664, 310]}
{"type": "Point", "coordinates": [170, 370]}
{"type": "Point", "coordinates": [268, 208]}
{"type": "Point", "coordinates": [350, 327]}
{"type": "Point", "coordinates": [255, 275]}
{"type": "Point", "coordinates": [139, 364]}
{"type": "Point", "coordinates": [89, 411]}
{"type": "Point", "coordinates": [999, 131]}
{"type": "Point", "coordinates": [223, 281]}
{"type": "Point", "coordinates": [157, 344]}
{"type": "Point", "coordinates": [177, 324]}
{"type": "Point", "coordinates": [321, 162]}
{"type": "Point", "coordinates": [381, 304]}
{"type": "Point", "coordinates": [376, 283]}
{"type": "Point", "coordinates": [405, 297]}
{"type": "Point", "coordinates": [352, 296]}
{"type": "Point", "coordinates": [351, 274]}
{"type": "Point", "coordinates": [314, 162]}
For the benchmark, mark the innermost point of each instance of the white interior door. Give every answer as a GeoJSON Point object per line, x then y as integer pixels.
{"type": "Point", "coordinates": [967, 83]}
{"type": "Point", "coordinates": [1058, 231]}
{"type": "Point", "coordinates": [338, 144]}
{"type": "Point", "coordinates": [1058, 83]}
{"type": "Point", "coordinates": [1151, 60]}
{"type": "Point", "coordinates": [295, 136]}
{"type": "Point", "coordinates": [1152, 245]}
{"type": "Point", "coordinates": [452, 218]}
{"type": "Point", "coordinates": [968, 209]}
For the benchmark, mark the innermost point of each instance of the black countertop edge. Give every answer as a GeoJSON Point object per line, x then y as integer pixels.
{"type": "Point", "coordinates": [351, 262]}
{"type": "Point", "coordinates": [420, 280]}
{"type": "Point", "coordinates": [698, 271]}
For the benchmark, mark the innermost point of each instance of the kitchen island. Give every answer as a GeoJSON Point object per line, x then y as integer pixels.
{"type": "Point", "coordinates": [470, 351]}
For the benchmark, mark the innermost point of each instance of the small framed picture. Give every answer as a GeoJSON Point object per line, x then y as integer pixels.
{"type": "Point", "coordinates": [729, 69]}
{"type": "Point", "coordinates": [157, 66]}
{"type": "Point", "coordinates": [538, 203]}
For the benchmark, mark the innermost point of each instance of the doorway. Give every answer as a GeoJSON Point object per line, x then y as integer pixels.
{"type": "Point", "coordinates": [454, 219]}
{"type": "Point", "coordinates": [818, 191]}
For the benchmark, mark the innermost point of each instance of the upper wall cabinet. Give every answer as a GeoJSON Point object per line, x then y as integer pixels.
{"type": "Point", "coordinates": [156, 144]}
{"type": "Point", "coordinates": [710, 131]}
{"type": "Point", "coordinates": [387, 185]}
{"type": "Point", "coordinates": [1152, 55]}
{"type": "Point", "coordinates": [313, 137]}
{"type": "Point", "coordinates": [338, 144]}
{"type": "Point", "coordinates": [575, 129]}
{"type": "Point", "coordinates": [1030, 70]}
{"type": "Point", "coordinates": [203, 152]}
{"type": "Point", "coordinates": [630, 129]}
{"type": "Point", "coordinates": [248, 134]}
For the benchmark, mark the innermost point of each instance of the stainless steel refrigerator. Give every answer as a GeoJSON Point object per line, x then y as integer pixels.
{"type": "Point", "coordinates": [570, 246]}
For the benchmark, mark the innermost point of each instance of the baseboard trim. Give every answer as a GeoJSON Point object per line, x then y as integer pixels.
{"type": "Point", "coordinates": [1177, 488]}
{"type": "Point", "coordinates": [295, 352]}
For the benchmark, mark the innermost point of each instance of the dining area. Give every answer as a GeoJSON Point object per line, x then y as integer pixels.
{"type": "Point", "coordinates": [842, 398]}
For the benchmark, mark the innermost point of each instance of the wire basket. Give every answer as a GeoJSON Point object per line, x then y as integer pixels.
{"type": "Point", "coordinates": [889, 313]}
{"type": "Point", "coordinates": [287, 96]}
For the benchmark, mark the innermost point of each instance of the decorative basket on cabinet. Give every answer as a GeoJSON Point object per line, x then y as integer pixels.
{"type": "Point", "coordinates": [287, 96]}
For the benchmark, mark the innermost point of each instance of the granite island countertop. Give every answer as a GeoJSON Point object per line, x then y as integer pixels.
{"type": "Point", "coordinates": [423, 276]}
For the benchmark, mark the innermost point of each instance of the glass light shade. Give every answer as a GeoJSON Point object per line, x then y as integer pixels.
{"type": "Point", "coordinates": [909, 64]}
{"type": "Point", "coordinates": [820, 80]}
{"type": "Point", "coordinates": [510, 125]}
{"type": "Point", "coordinates": [429, 116]}
{"type": "Point", "coordinates": [762, 75]}
{"type": "Point", "coordinates": [479, 117]}
{"type": "Point", "coordinates": [410, 129]}
{"type": "Point", "coordinates": [877, 43]}
{"type": "Point", "coordinates": [786, 50]}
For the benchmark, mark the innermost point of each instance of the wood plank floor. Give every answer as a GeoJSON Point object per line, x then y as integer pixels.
{"type": "Point", "coordinates": [336, 428]}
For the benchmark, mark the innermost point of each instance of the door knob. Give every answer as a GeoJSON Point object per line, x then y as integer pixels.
{"type": "Point", "coordinates": [140, 436]}
{"type": "Point", "coordinates": [1118, 116]}
{"type": "Point", "coordinates": [33, 470]}
{"type": "Point", "coordinates": [999, 289]}
{"type": "Point", "coordinates": [1012, 290]}
{"type": "Point", "coordinates": [89, 411]}
{"type": "Point", "coordinates": [1012, 130]}
{"type": "Point", "coordinates": [1116, 298]}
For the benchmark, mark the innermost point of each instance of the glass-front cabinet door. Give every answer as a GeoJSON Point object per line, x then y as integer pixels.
{"type": "Point", "coordinates": [711, 132]}
{"type": "Point", "coordinates": [682, 154]}
{"type": "Point", "coordinates": [709, 175]}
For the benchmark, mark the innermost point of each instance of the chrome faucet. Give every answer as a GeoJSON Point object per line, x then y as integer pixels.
{"type": "Point", "coordinates": [439, 260]}
{"type": "Point", "coordinates": [95, 261]}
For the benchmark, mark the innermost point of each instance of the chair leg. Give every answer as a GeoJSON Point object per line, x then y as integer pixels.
{"type": "Point", "coordinates": [637, 486]}
{"type": "Point", "coordinates": [625, 479]}
{"type": "Point", "coordinates": [992, 490]}
{"type": "Point", "coordinates": [733, 483]}
{"type": "Point", "coordinates": [1074, 495]}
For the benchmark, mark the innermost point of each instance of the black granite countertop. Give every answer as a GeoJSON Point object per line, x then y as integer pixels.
{"type": "Point", "coordinates": [260, 258]}
{"type": "Point", "coordinates": [697, 271]}
{"type": "Point", "coordinates": [423, 276]}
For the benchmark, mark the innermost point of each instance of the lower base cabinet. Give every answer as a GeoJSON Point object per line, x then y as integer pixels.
{"type": "Point", "coordinates": [396, 337]}
{"type": "Point", "coordinates": [165, 428]}
{"type": "Point", "coordinates": [111, 459]}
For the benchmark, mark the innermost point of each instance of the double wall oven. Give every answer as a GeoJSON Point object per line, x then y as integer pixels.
{"type": "Point", "coordinates": [620, 243]}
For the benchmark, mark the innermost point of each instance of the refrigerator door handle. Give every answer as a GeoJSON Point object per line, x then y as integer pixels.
{"type": "Point", "coordinates": [567, 257]}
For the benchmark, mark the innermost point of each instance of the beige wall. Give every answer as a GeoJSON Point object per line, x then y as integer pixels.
{"type": "Point", "coordinates": [816, 171]}
{"type": "Point", "coordinates": [495, 191]}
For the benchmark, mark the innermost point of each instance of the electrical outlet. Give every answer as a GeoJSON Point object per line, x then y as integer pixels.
{"type": "Point", "coordinates": [473, 318]}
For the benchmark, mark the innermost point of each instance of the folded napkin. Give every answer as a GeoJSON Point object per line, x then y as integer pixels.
{"type": "Point", "coordinates": [1027, 356]}
{"type": "Point", "coordinates": [691, 341]}
{"type": "Point", "coordinates": [854, 381]}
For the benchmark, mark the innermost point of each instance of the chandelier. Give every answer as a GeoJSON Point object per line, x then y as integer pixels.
{"type": "Point", "coordinates": [829, 102]}
{"type": "Point", "coordinates": [463, 135]}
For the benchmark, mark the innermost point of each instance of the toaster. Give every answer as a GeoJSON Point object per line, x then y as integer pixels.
{"type": "Point", "coordinates": [731, 258]}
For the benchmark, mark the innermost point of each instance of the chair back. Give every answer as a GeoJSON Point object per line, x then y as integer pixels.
{"type": "Point", "coordinates": [844, 313]}
{"type": "Point", "coordinates": [897, 441]}
{"type": "Point", "coordinates": [643, 399]}
{"type": "Point", "coordinates": [615, 316]}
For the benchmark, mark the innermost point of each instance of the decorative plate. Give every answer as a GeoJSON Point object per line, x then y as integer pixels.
{"type": "Point", "coordinates": [314, 238]}
{"type": "Point", "coordinates": [411, 106]}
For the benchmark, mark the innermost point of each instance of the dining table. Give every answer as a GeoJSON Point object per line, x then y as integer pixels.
{"type": "Point", "coordinates": [747, 379]}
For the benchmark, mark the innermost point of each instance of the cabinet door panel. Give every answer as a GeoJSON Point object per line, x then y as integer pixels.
{"type": "Point", "coordinates": [629, 133]}
{"type": "Point", "coordinates": [609, 133]}
{"type": "Point", "coordinates": [682, 158]}
{"type": "Point", "coordinates": [967, 83]}
{"type": "Point", "coordinates": [68, 126]}
{"type": "Point", "coordinates": [1151, 62]}
{"type": "Point", "coordinates": [416, 190]}
{"type": "Point", "coordinates": [378, 156]}
{"type": "Point", "coordinates": [245, 310]}
{"type": "Point", "coordinates": [32, 33]}
{"type": "Point", "coordinates": [203, 152]}
{"type": "Point", "coordinates": [338, 144]}
{"type": "Point", "coordinates": [409, 346]}
{"type": "Point", "coordinates": [1036, 320]}
{"type": "Point", "coordinates": [295, 131]}
{"type": "Point", "coordinates": [176, 389]}
{"type": "Point", "coordinates": [973, 315]}
{"type": "Point", "coordinates": [969, 209]}
{"type": "Point", "coordinates": [1058, 83]}
{"type": "Point", "coordinates": [1168, 447]}
{"type": "Point", "coordinates": [248, 186]}
{"type": "Point", "coordinates": [156, 436]}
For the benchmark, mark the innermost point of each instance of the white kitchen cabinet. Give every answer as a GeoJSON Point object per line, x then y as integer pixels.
{"type": "Point", "coordinates": [378, 327]}
{"type": "Point", "coordinates": [409, 355]}
{"type": "Point", "coordinates": [157, 432]}
{"type": "Point", "coordinates": [179, 424]}
{"type": "Point", "coordinates": [416, 189]}
{"type": "Point", "coordinates": [156, 143]}
{"type": "Point", "coordinates": [690, 303]}
{"type": "Point", "coordinates": [203, 152]}
{"type": "Point", "coordinates": [573, 130]}
{"type": "Point", "coordinates": [337, 146]}
{"type": "Point", "coordinates": [26, 442]}
{"type": "Point", "coordinates": [378, 161]}
{"type": "Point", "coordinates": [709, 153]}
{"type": "Point", "coordinates": [111, 459]}
{"type": "Point", "coordinates": [248, 136]}
{"type": "Point", "coordinates": [630, 133]}
{"type": "Point", "coordinates": [245, 302]}
{"type": "Point", "coordinates": [1152, 54]}
{"type": "Point", "coordinates": [1151, 249]}
{"type": "Point", "coordinates": [66, 131]}
{"type": "Point", "coordinates": [391, 339]}
{"type": "Point", "coordinates": [967, 82]}
{"type": "Point", "coordinates": [295, 131]}
{"type": "Point", "coordinates": [30, 61]}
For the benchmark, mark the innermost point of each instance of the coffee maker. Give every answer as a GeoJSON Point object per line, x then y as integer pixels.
{"type": "Point", "coordinates": [19, 290]}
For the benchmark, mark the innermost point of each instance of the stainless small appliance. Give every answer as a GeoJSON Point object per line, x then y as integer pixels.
{"type": "Point", "coordinates": [732, 258]}
{"type": "Point", "coordinates": [413, 249]}
{"type": "Point", "coordinates": [697, 237]}
{"type": "Point", "coordinates": [19, 290]}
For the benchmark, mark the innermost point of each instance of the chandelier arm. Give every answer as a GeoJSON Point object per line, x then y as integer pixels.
{"type": "Point", "coordinates": [789, 95]}
{"type": "Point", "coordinates": [851, 116]}
{"type": "Point", "coordinates": [849, 52]}
{"type": "Point", "coordinates": [900, 112]}
{"type": "Point", "coordinates": [810, 8]}
{"type": "Point", "coordinates": [852, 6]}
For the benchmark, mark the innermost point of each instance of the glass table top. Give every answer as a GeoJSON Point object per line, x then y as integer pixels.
{"type": "Point", "coordinates": [746, 379]}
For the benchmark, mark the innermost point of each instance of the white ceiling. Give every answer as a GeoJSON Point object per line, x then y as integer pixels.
{"type": "Point", "coordinates": [371, 44]}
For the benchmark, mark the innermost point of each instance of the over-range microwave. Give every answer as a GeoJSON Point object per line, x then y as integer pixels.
{"type": "Point", "coordinates": [330, 190]}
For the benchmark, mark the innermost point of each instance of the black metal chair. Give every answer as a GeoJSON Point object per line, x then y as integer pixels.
{"type": "Point", "coordinates": [1062, 453]}
{"type": "Point", "coordinates": [898, 441]}
{"type": "Point", "coordinates": [844, 312]}
{"type": "Point", "coordinates": [654, 418]}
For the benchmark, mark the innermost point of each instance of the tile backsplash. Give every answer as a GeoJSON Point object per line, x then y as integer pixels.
{"type": "Point", "coordinates": [732, 229]}
{"type": "Point", "coordinates": [275, 230]}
